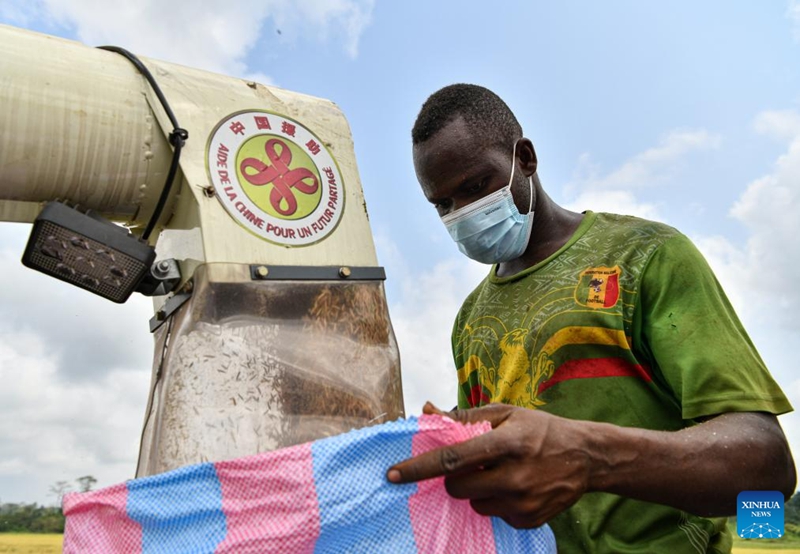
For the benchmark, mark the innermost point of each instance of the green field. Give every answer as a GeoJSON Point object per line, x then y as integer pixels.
{"type": "Point", "coordinates": [789, 543]}
{"type": "Point", "coordinates": [776, 549]}
{"type": "Point", "coordinates": [30, 543]}
{"type": "Point", "coordinates": [766, 546]}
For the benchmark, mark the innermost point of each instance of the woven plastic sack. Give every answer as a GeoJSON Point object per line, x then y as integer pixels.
{"type": "Point", "coordinates": [327, 496]}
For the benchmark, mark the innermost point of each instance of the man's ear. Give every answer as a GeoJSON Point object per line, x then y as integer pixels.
{"type": "Point", "coordinates": [526, 154]}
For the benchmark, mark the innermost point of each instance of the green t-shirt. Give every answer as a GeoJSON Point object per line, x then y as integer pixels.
{"type": "Point", "coordinates": [625, 324]}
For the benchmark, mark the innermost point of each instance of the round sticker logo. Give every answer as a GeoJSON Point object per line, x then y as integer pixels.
{"type": "Point", "coordinates": [275, 177]}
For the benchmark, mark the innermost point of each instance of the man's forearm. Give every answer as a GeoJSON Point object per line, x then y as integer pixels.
{"type": "Point", "coordinates": [700, 469]}
{"type": "Point", "coordinates": [534, 465]}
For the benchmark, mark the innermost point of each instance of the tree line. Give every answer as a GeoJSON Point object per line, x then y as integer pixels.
{"type": "Point", "coordinates": [33, 518]}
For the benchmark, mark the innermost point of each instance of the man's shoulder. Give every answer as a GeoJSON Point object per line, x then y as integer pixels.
{"type": "Point", "coordinates": [628, 227]}
{"type": "Point", "coordinates": [629, 240]}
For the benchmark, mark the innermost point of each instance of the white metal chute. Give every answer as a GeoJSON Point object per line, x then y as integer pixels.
{"type": "Point", "coordinates": [268, 186]}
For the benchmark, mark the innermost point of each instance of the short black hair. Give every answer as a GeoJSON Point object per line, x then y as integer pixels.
{"type": "Point", "coordinates": [483, 111]}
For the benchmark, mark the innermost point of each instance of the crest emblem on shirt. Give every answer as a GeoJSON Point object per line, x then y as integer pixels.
{"type": "Point", "coordinates": [598, 287]}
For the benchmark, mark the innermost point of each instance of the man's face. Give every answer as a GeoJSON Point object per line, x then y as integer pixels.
{"type": "Point", "coordinates": [455, 169]}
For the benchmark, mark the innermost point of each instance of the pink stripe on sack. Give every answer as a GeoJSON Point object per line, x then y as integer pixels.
{"type": "Point", "coordinates": [97, 522]}
{"type": "Point", "coordinates": [442, 523]}
{"type": "Point", "coordinates": [270, 502]}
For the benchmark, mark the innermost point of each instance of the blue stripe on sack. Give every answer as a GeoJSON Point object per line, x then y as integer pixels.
{"type": "Point", "coordinates": [508, 540]}
{"type": "Point", "coordinates": [360, 511]}
{"type": "Point", "coordinates": [180, 511]}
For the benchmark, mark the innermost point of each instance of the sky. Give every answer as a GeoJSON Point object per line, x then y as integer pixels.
{"type": "Point", "coordinates": [686, 113]}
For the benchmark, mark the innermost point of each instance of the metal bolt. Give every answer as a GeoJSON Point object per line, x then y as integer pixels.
{"type": "Point", "coordinates": [163, 266]}
{"type": "Point", "coordinates": [209, 191]}
{"type": "Point", "coordinates": [262, 271]}
{"type": "Point", "coordinates": [344, 272]}
{"type": "Point", "coordinates": [189, 286]}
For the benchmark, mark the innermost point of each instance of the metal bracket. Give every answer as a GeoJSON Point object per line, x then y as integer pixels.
{"type": "Point", "coordinates": [315, 273]}
{"type": "Point", "coordinates": [170, 306]}
{"type": "Point", "coordinates": [162, 278]}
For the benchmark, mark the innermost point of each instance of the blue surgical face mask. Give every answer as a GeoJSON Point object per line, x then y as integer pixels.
{"type": "Point", "coordinates": [491, 229]}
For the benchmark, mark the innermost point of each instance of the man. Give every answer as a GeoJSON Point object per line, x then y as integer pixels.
{"type": "Point", "coordinates": [629, 408]}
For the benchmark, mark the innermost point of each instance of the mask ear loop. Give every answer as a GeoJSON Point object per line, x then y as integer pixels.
{"type": "Point", "coordinates": [530, 205]}
{"type": "Point", "coordinates": [513, 164]}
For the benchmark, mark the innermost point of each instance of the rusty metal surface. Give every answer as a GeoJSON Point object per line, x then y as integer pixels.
{"type": "Point", "coordinates": [252, 367]}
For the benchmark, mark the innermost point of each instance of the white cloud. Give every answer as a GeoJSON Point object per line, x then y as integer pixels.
{"type": "Point", "coordinates": [614, 191]}
{"type": "Point", "coordinates": [769, 208]}
{"type": "Point", "coordinates": [55, 430]}
{"type": "Point", "coordinates": [614, 201]}
{"type": "Point", "coordinates": [762, 274]}
{"type": "Point", "coordinates": [779, 124]}
{"type": "Point", "coordinates": [348, 18]}
{"type": "Point", "coordinates": [649, 167]}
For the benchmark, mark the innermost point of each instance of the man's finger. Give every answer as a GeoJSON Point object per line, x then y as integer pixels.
{"type": "Point", "coordinates": [430, 409]}
{"type": "Point", "coordinates": [448, 460]}
{"type": "Point", "coordinates": [493, 413]}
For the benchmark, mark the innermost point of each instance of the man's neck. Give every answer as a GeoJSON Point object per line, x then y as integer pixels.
{"type": "Point", "coordinates": [552, 228]}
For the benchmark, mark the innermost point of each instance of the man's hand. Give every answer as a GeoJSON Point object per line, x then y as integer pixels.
{"type": "Point", "coordinates": [532, 465]}
{"type": "Point", "coordinates": [528, 469]}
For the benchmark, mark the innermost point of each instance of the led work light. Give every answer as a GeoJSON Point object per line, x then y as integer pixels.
{"type": "Point", "coordinates": [88, 251]}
